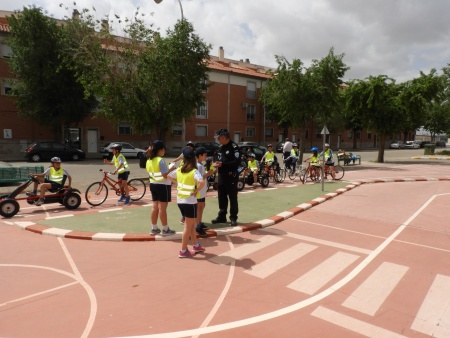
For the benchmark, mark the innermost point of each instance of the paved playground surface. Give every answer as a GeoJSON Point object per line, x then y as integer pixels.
{"type": "Point", "coordinates": [372, 261]}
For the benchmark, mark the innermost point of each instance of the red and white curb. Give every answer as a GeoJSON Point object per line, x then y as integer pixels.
{"type": "Point", "coordinates": [130, 237]}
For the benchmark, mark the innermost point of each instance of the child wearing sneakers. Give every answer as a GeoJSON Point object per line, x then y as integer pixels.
{"type": "Point", "coordinates": [122, 168]}
{"type": "Point", "coordinates": [160, 187]}
{"type": "Point", "coordinates": [200, 154]}
{"type": "Point", "coordinates": [189, 182]}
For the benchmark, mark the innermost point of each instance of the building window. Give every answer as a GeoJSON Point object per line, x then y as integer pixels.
{"type": "Point", "coordinates": [204, 84]}
{"type": "Point", "coordinates": [177, 130]}
{"type": "Point", "coordinates": [250, 132]}
{"type": "Point", "coordinates": [251, 115]}
{"type": "Point", "coordinates": [5, 50]}
{"type": "Point", "coordinates": [307, 134]}
{"type": "Point", "coordinates": [202, 111]}
{"type": "Point", "coordinates": [358, 135]}
{"type": "Point", "coordinates": [201, 130]}
{"type": "Point", "coordinates": [318, 134]}
{"type": "Point", "coordinates": [349, 134]}
{"type": "Point", "coordinates": [6, 87]}
{"type": "Point", "coordinates": [269, 132]}
{"type": "Point", "coordinates": [369, 136]}
{"type": "Point", "coordinates": [124, 128]}
{"type": "Point", "coordinates": [251, 90]}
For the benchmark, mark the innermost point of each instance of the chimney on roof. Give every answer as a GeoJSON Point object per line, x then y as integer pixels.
{"type": "Point", "coordinates": [247, 60]}
{"type": "Point", "coordinates": [105, 25]}
{"type": "Point", "coordinates": [75, 14]}
{"type": "Point", "coordinates": [221, 54]}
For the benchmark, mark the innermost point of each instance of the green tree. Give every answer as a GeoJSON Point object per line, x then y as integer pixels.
{"type": "Point", "coordinates": [298, 95]}
{"type": "Point", "coordinates": [376, 100]}
{"type": "Point", "coordinates": [44, 90]}
{"type": "Point", "coordinates": [146, 79]}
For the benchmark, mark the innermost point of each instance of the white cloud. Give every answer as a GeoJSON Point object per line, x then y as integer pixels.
{"type": "Point", "coordinates": [397, 38]}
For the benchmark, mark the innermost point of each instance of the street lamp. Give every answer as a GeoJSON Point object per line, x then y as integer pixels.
{"type": "Point", "coordinates": [179, 2]}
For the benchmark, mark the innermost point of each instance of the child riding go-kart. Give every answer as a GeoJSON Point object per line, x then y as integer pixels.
{"type": "Point", "coordinates": [52, 190]}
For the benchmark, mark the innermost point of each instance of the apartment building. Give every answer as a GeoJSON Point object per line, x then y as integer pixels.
{"type": "Point", "coordinates": [232, 102]}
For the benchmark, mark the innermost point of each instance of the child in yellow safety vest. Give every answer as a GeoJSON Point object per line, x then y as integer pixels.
{"type": "Point", "coordinates": [253, 167]}
{"type": "Point", "coordinates": [120, 162]}
{"type": "Point", "coordinates": [314, 160]}
{"type": "Point", "coordinates": [271, 159]}
{"type": "Point", "coordinates": [189, 182]}
{"type": "Point", "coordinates": [160, 187]}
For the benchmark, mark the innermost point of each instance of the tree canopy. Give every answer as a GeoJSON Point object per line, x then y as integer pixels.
{"type": "Point", "coordinates": [44, 89]}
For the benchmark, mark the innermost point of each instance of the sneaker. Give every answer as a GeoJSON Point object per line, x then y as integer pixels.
{"type": "Point", "coordinates": [182, 220]}
{"type": "Point", "coordinates": [122, 198]}
{"type": "Point", "coordinates": [198, 248]}
{"type": "Point", "coordinates": [203, 226]}
{"type": "Point", "coordinates": [155, 231]}
{"type": "Point", "coordinates": [127, 201]}
{"type": "Point", "coordinates": [31, 193]}
{"type": "Point", "coordinates": [39, 202]}
{"type": "Point", "coordinates": [219, 220]}
{"type": "Point", "coordinates": [168, 232]}
{"type": "Point", "coordinates": [200, 230]}
{"type": "Point", "coordinates": [185, 254]}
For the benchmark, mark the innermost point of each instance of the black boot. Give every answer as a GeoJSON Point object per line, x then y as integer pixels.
{"type": "Point", "coordinates": [219, 220]}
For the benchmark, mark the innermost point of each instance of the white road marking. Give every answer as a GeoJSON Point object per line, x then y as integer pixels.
{"type": "Point", "coordinates": [317, 277]}
{"type": "Point", "coordinates": [280, 260]}
{"type": "Point", "coordinates": [109, 210]}
{"type": "Point", "coordinates": [304, 303]}
{"type": "Point", "coordinates": [318, 241]}
{"type": "Point", "coordinates": [371, 294]}
{"type": "Point", "coordinates": [433, 318]}
{"type": "Point", "coordinates": [244, 250]}
{"type": "Point", "coordinates": [352, 324]}
{"type": "Point", "coordinates": [63, 216]}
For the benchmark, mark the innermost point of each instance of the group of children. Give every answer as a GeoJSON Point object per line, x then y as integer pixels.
{"type": "Point", "coordinates": [190, 178]}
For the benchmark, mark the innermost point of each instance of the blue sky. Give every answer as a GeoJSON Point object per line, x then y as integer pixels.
{"type": "Point", "coordinates": [398, 38]}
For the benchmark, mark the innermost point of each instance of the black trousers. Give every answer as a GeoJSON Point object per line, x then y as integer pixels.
{"type": "Point", "coordinates": [227, 189]}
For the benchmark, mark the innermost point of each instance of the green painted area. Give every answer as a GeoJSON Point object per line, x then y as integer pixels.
{"type": "Point", "coordinates": [253, 206]}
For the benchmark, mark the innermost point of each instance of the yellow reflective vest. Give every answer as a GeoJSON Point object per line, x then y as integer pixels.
{"type": "Point", "coordinates": [154, 171]}
{"type": "Point", "coordinates": [116, 163]}
{"type": "Point", "coordinates": [185, 183]}
{"type": "Point", "coordinates": [56, 176]}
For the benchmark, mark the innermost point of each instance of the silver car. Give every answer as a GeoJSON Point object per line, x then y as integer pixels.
{"type": "Point", "coordinates": [397, 145]}
{"type": "Point", "coordinates": [128, 150]}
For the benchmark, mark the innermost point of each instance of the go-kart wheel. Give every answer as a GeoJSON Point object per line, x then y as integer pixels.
{"type": "Point", "coordinates": [240, 184]}
{"type": "Point", "coordinates": [36, 157]}
{"type": "Point", "coordinates": [72, 200]}
{"type": "Point", "coordinates": [8, 208]}
{"type": "Point", "coordinates": [264, 181]}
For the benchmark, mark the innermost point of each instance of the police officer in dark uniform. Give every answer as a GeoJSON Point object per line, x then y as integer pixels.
{"type": "Point", "coordinates": [227, 163]}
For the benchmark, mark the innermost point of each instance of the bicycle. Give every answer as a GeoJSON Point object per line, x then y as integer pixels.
{"type": "Point", "coordinates": [97, 192]}
{"type": "Point", "coordinates": [277, 177]}
{"type": "Point", "coordinates": [315, 175]}
{"type": "Point", "coordinates": [338, 171]}
{"type": "Point", "coordinates": [300, 172]}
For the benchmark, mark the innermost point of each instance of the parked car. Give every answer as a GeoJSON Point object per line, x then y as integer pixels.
{"type": "Point", "coordinates": [39, 151]}
{"type": "Point", "coordinates": [211, 147]}
{"type": "Point", "coordinates": [397, 145]}
{"type": "Point", "coordinates": [279, 148]}
{"type": "Point", "coordinates": [412, 145]}
{"type": "Point", "coordinates": [242, 144]}
{"type": "Point", "coordinates": [423, 143]}
{"type": "Point", "coordinates": [128, 150]}
{"type": "Point", "coordinates": [442, 144]}
{"type": "Point", "coordinates": [257, 150]}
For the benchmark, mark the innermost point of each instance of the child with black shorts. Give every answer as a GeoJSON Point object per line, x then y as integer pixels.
{"type": "Point", "coordinates": [189, 182]}
{"type": "Point", "coordinates": [160, 187]}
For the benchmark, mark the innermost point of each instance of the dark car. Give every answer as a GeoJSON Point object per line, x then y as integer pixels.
{"type": "Point", "coordinates": [257, 150]}
{"type": "Point", "coordinates": [422, 144]}
{"type": "Point", "coordinates": [442, 144]}
{"type": "Point", "coordinates": [39, 151]}
{"type": "Point", "coordinates": [279, 148]}
{"type": "Point", "coordinates": [211, 147]}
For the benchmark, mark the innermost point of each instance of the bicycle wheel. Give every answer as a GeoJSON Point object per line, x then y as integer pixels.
{"type": "Point", "coordinates": [280, 176]}
{"type": "Point", "coordinates": [136, 188]}
{"type": "Point", "coordinates": [292, 174]}
{"type": "Point", "coordinates": [96, 193]}
{"type": "Point", "coordinates": [339, 170]}
{"type": "Point", "coordinates": [303, 175]}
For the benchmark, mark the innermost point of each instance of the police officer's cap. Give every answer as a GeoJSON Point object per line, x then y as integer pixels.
{"type": "Point", "coordinates": [188, 153]}
{"type": "Point", "coordinates": [157, 144]}
{"type": "Point", "coordinates": [222, 132]}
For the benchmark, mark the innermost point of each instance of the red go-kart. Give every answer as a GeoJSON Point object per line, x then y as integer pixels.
{"type": "Point", "coordinates": [66, 196]}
